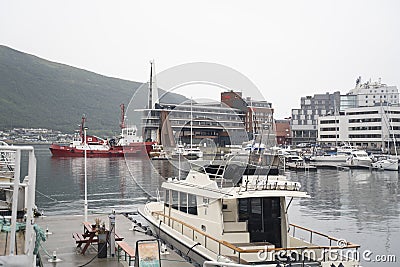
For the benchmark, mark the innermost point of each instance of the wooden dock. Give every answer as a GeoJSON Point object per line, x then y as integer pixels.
{"type": "Point", "coordinates": [61, 241]}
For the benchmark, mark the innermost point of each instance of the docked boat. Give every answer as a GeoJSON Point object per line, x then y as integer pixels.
{"type": "Point", "coordinates": [359, 159]}
{"type": "Point", "coordinates": [385, 163]}
{"type": "Point", "coordinates": [127, 144]}
{"type": "Point", "coordinates": [158, 153]}
{"type": "Point", "coordinates": [340, 154]}
{"type": "Point", "coordinates": [191, 152]}
{"type": "Point", "coordinates": [222, 214]}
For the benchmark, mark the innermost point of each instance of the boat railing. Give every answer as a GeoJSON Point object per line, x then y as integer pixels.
{"type": "Point", "coordinates": [7, 162]}
{"type": "Point", "coordinates": [331, 244]}
{"type": "Point", "coordinates": [170, 221]}
{"type": "Point", "coordinates": [313, 233]}
{"type": "Point", "coordinates": [27, 185]}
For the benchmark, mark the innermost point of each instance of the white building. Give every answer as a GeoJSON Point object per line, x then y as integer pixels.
{"type": "Point", "coordinates": [372, 93]}
{"type": "Point", "coordinates": [370, 127]}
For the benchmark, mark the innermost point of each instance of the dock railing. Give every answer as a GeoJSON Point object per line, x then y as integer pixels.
{"type": "Point", "coordinates": [170, 221]}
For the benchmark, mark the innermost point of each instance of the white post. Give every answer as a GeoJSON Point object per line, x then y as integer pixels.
{"type": "Point", "coordinates": [17, 173]}
{"type": "Point", "coordinates": [86, 202]}
{"type": "Point", "coordinates": [30, 197]}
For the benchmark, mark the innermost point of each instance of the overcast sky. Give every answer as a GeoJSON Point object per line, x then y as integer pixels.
{"type": "Point", "coordinates": [289, 49]}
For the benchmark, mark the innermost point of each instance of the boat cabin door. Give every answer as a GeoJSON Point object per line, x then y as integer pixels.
{"type": "Point", "coordinates": [263, 216]}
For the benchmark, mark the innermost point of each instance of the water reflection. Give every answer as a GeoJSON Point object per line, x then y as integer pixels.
{"type": "Point", "coordinates": [359, 205]}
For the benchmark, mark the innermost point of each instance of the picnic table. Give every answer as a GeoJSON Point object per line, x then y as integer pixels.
{"type": "Point", "coordinates": [90, 236]}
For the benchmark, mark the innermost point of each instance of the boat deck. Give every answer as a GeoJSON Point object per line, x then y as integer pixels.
{"type": "Point", "coordinates": [60, 240]}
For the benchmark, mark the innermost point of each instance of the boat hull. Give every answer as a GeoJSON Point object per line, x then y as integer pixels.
{"type": "Point", "coordinates": [386, 165]}
{"type": "Point", "coordinates": [187, 249]}
{"type": "Point", "coordinates": [135, 149]}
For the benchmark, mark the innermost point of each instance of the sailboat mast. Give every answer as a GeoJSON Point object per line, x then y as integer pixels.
{"type": "Point", "coordinates": [191, 124]}
{"type": "Point", "coordinates": [392, 129]}
{"type": "Point", "coordinates": [334, 106]}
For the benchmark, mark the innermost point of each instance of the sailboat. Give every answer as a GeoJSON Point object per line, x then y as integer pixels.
{"type": "Point", "coordinates": [386, 162]}
{"type": "Point", "coordinates": [191, 152]}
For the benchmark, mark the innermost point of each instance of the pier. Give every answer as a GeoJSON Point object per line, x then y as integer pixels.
{"type": "Point", "coordinates": [59, 232]}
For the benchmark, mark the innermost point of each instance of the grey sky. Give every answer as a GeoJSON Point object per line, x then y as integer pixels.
{"type": "Point", "coordinates": [288, 49]}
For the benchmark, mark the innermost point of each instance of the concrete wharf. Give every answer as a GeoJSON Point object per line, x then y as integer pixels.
{"type": "Point", "coordinates": [61, 241]}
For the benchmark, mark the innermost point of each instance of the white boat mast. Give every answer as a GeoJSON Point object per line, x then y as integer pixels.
{"type": "Point", "coordinates": [191, 124]}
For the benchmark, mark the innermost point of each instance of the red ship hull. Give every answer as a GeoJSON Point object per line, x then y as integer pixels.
{"type": "Point", "coordinates": [134, 149]}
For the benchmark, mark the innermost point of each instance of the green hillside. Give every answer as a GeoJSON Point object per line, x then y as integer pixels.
{"type": "Point", "coordinates": [42, 94]}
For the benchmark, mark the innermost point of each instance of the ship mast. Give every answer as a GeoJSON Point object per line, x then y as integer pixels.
{"type": "Point", "coordinates": [82, 125]}
{"type": "Point", "coordinates": [122, 123]}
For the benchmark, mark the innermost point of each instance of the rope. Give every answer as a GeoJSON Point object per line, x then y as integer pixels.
{"type": "Point", "coordinates": [5, 226]}
{"type": "Point", "coordinates": [53, 199]}
{"type": "Point", "coordinates": [40, 236]}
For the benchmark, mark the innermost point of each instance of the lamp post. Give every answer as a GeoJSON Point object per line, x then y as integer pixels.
{"type": "Point", "coordinates": [85, 151]}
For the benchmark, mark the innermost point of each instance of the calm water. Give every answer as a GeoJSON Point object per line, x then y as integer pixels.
{"type": "Point", "coordinates": [359, 206]}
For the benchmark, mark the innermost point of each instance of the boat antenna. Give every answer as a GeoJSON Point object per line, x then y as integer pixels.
{"type": "Point", "coordinates": [179, 163]}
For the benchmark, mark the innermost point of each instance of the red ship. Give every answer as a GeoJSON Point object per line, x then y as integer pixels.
{"type": "Point", "coordinates": [127, 144]}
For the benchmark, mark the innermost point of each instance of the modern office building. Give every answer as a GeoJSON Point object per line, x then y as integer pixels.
{"type": "Point", "coordinates": [194, 122]}
{"type": "Point", "coordinates": [232, 121]}
{"type": "Point", "coordinates": [372, 127]}
{"type": "Point", "coordinates": [305, 119]}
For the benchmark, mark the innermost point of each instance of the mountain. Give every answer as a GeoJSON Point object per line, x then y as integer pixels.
{"type": "Point", "coordinates": [38, 93]}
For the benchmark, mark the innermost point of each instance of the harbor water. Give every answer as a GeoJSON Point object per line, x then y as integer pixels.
{"type": "Point", "coordinates": [360, 206]}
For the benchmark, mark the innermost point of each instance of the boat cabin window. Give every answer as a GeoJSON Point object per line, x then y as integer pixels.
{"type": "Point", "coordinates": [192, 208]}
{"type": "Point", "coordinates": [181, 201]}
{"type": "Point", "coordinates": [183, 205]}
{"type": "Point", "coordinates": [166, 202]}
{"type": "Point", "coordinates": [175, 200]}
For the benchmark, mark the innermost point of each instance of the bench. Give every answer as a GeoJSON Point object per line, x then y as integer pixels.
{"type": "Point", "coordinates": [79, 239]}
{"type": "Point", "coordinates": [129, 251]}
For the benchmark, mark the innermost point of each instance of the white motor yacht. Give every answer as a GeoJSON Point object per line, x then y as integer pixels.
{"type": "Point", "coordinates": [359, 158]}
{"type": "Point", "coordinates": [222, 214]}
{"type": "Point", "coordinates": [341, 155]}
